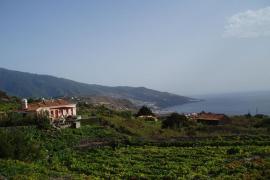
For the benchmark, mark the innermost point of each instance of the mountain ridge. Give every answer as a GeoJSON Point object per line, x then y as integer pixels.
{"type": "Point", "coordinates": [25, 84]}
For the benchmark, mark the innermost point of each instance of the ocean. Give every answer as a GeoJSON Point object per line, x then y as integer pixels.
{"type": "Point", "coordinates": [230, 104]}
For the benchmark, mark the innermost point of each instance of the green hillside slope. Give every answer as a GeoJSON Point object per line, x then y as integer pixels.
{"type": "Point", "coordinates": [33, 85]}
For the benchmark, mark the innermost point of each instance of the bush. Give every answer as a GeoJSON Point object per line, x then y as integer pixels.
{"type": "Point", "coordinates": [125, 114]}
{"type": "Point", "coordinates": [103, 110]}
{"type": "Point", "coordinates": [264, 123]}
{"type": "Point", "coordinates": [260, 116]}
{"type": "Point", "coordinates": [14, 144]}
{"type": "Point", "coordinates": [16, 119]}
{"type": "Point", "coordinates": [43, 122]}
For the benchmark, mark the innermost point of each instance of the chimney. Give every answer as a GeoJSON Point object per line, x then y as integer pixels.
{"type": "Point", "coordinates": [24, 104]}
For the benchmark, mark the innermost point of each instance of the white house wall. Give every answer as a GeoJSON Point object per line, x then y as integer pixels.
{"type": "Point", "coordinates": [58, 109]}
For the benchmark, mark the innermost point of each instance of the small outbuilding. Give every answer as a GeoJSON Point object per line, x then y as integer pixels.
{"type": "Point", "coordinates": [212, 119]}
{"type": "Point", "coordinates": [149, 118]}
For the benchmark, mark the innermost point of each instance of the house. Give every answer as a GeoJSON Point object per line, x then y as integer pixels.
{"type": "Point", "coordinates": [211, 118]}
{"type": "Point", "coordinates": [148, 118]}
{"type": "Point", "coordinates": [54, 109]}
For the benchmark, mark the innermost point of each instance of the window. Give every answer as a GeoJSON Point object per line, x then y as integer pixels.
{"type": "Point", "coordinates": [56, 114]}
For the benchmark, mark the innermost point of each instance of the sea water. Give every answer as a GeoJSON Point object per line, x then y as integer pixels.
{"type": "Point", "coordinates": [231, 104]}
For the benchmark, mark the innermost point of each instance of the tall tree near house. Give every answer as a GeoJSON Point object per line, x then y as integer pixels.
{"type": "Point", "coordinates": [145, 111]}
{"type": "Point", "coordinates": [175, 120]}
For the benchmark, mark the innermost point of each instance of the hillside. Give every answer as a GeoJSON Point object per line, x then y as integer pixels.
{"type": "Point", "coordinates": [24, 84]}
{"type": "Point", "coordinates": [109, 102]}
{"type": "Point", "coordinates": [4, 97]}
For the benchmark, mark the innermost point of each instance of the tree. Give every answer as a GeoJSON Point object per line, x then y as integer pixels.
{"type": "Point", "coordinates": [145, 111]}
{"type": "Point", "coordinates": [175, 120]}
{"type": "Point", "coordinates": [248, 115]}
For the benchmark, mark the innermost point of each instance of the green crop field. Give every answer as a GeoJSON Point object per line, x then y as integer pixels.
{"type": "Point", "coordinates": [150, 162]}
{"type": "Point", "coordinates": [118, 145]}
{"type": "Point", "coordinates": [173, 162]}
{"type": "Point", "coordinates": [62, 156]}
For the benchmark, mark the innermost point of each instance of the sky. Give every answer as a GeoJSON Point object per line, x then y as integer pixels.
{"type": "Point", "coordinates": [185, 47]}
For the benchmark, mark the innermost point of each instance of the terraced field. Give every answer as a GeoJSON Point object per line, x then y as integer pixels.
{"type": "Point", "coordinates": [61, 157]}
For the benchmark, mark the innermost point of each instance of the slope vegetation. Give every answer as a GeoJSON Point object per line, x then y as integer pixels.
{"type": "Point", "coordinates": [33, 85]}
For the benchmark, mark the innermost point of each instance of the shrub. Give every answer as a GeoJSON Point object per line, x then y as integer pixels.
{"type": "Point", "coordinates": [125, 114]}
{"type": "Point", "coordinates": [43, 122]}
{"type": "Point", "coordinates": [16, 119]}
{"type": "Point", "coordinates": [15, 144]}
{"type": "Point", "coordinates": [260, 116]}
{"type": "Point", "coordinates": [264, 123]}
{"type": "Point", "coordinates": [103, 110]}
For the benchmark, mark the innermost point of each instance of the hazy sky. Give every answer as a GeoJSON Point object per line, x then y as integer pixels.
{"type": "Point", "coordinates": [181, 46]}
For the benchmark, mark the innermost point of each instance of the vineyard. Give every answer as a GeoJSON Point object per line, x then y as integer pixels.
{"type": "Point", "coordinates": [118, 145]}
{"type": "Point", "coordinates": [60, 155]}
{"type": "Point", "coordinates": [173, 162]}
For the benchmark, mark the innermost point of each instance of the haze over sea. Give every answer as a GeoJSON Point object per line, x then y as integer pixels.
{"type": "Point", "coordinates": [230, 104]}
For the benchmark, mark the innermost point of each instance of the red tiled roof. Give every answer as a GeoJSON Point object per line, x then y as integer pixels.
{"type": "Point", "coordinates": [47, 103]}
{"type": "Point", "coordinates": [211, 117]}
